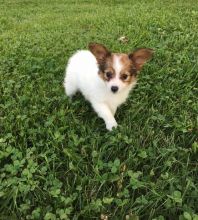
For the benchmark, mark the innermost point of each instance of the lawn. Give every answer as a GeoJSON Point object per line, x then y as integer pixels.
{"type": "Point", "coordinates": [57, 160]}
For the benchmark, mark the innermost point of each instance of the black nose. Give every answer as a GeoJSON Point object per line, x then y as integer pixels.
{"type": "Point", "coordinates": [114, 89]}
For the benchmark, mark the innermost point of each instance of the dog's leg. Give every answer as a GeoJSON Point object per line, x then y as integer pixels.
{"type": "Point", "coordinates": [113, 109]}
{"type": "Point", "coordinates": [105, 113]}
{"type": "Point", "coordinates": [70, 85]}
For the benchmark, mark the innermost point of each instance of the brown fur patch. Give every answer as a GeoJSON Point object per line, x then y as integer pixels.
{"type": "Point", "coordinates": [107, 69]}
{"type": "Point", "coordinates": [101, 53]}
{"type": "Point", "coordinates": [131, 63]}
{"type": "Point", "coordinates": [140, 56]}
{"type": "Point", "coordinates": [128, 70]}
{"type": "Point", "coordinates": [104, 59]}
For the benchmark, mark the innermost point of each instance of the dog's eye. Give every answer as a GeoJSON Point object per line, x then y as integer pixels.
{"type": "Point", "coordinates": [124, 76]}
{"type": "Point", "coordinates": [109, 75]}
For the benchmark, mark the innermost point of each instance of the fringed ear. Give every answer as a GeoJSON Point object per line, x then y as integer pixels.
{"type": "Point", "coordinates": [99, 51]}
{"type": "Point", "coordinates": [140, 56]}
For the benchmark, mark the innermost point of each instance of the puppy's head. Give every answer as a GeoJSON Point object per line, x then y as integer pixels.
{"type": "Point", "coordinates": [118, 70]}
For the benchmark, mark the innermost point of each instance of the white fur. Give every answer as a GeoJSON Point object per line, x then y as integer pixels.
{"type": "Point", "coordinates": [82, 75]}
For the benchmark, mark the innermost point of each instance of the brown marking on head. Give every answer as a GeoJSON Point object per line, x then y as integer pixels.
{"type": "Point", "coordinates": [140, 56]}
{"type": "Point", "coordinates": [131, 63]}
{"type": "Point", "coordinates": [104, 59]}
{"type": "Point", "coordinates": [128, 72]}
{"type": "Point", "coordinates": [101, 53]}
{"type": "Point", "coordinates": [108, 73]}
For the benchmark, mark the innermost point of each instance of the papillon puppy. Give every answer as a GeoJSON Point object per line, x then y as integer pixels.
{"type": "Point", "coordinates": [104, 78]}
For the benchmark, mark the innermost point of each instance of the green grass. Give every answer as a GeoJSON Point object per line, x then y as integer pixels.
{"type": "Point", "coordinates": [57, 161]}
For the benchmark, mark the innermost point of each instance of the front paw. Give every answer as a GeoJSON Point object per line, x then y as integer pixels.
{"type": "Point", "coordinates": [110, 125]}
